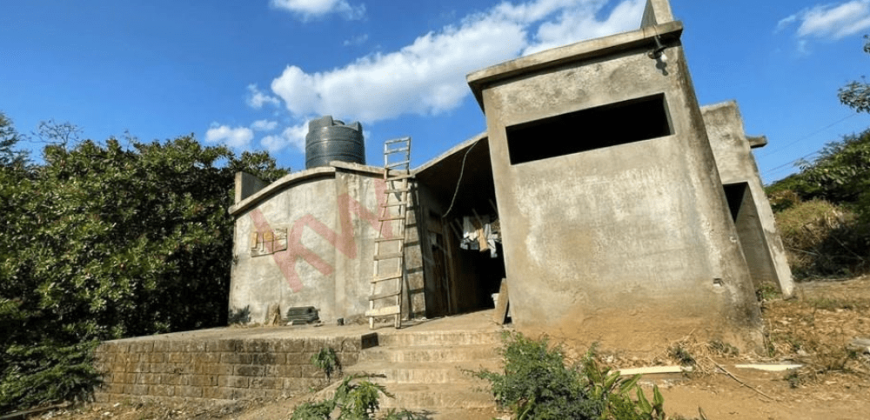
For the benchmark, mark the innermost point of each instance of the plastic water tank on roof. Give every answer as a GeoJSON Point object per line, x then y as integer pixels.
{"type": "Point", "coordinates": [330, 140]}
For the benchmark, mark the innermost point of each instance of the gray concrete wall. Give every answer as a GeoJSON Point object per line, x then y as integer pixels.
{"type": "Point", "coordinates": [325, 222]}
{"type": "Point", "coordinates": [759, 237]}
{"type": "Point", "coordinates": [631, 246]}
{"type": "Point", "coordinates": [247, 185]}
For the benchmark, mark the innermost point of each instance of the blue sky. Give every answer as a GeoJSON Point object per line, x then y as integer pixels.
{"type": "Point", "coordinates": [251, 73]}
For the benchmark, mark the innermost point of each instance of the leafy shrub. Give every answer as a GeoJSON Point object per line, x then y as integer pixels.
{"type": "Point", "coordinates": [352, 401]}
{"type": "Point", "coordinates": [326, 360]}
{"type": "Point", "coordinates": [822, 239]}
{"type": "Point", "coordinates": [103, 242]}
{"type": "Point", "coordinates": [536, 384]}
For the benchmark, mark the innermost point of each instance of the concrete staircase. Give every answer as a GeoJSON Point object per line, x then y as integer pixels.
{"type": "Point", "coordinates": [423, 370]}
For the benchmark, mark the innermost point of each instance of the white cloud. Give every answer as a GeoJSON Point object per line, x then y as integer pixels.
{"type": "Point", "coordinates": [830, 21]}
{"type": "Point", "coordinates": [428, 76]}
{"type": "Point", "coordinates": [291, 137]}
{"type": "Point", "coordinates": [264, 125]}
{"type": "Point", "coordinates": [237, 138]}
{"type": "Point", "coordinates": [315, 8]}
{"type": "Point", "coordinates": [256, 99]}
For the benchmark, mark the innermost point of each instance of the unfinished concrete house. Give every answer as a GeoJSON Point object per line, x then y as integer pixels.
{"type": "Point", "coordinates": [614, 207]}
{"type": "Point", "coordinates": [615, 224]}
{"type": "Point", "coordinates": [750, 208]}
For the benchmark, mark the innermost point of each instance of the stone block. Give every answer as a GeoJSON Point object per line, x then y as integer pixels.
{"type": "Point", "coordinates": [291, 346]}
{"type": "Point", "coordinates": [179, 357]}
{"type": "Point", "coordinates": [188, 391]}
{"type": "Point", "coordinates": [248, 394]}
{"type": "Point", "coordinates": [177, 346]}
{"type": "Point", "coordinates": [273, 394]}
{"type": "Point", "coordinates": [173, 379]}
{"type": "Point", "coordinates": [149, 379]}
{"type": "Point", "coordinates": [161, 367]}
{"type": "Point", "coordinates": [348, 358]}
{"type": "Point", "coordinates": [161, 390]}
{"type": "Point", "coordinates": [206, 357]}
{"type": "Point", "coordinates": [281, 371]}
{"type": "Point", "coordinates": [195, 346]}
{"type": "Point", "coordinates": [142, 347]}
{"type": "Point", "coordinates": [136, 389]}
{"type": "Point", "coordinates": [203, 380]}
{"type": "Point", "coordinates": [351, 345]}
{"type": "Point", "coordinates": [233, 381]}
{"type": "Point", "coordinates": [181, 368]}
{"type": "Point", "coordinates": [249, 370]}
{"type": "Point", "coordinates": [139, 367]}
{"type": "Point", "coordinates": [230, 358]}
{"type": "Point", "coordinates": [267, 383]}
{"type": "Point", "coordinates": [161, 346]}
{"type": "Point", "coordinates": [311, 372]}
{"type": "Point", "coordinates": [268, 358]}
{"type": "Point", "coordinates": [213, 346]}
{"type": "Point", "coordinates": [154, 357]}
{"type": "Point", "coordinates": [231, 346]}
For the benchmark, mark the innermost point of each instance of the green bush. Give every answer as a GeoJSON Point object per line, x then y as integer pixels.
{"type": "Point", "coordinates": [823, 239]}
{"type": "Point", "coordinates": [353, 400]}
{"type": "Point", "coordinates": [103, 242]}
{"type": "Point", "coordinates": [536, 384]}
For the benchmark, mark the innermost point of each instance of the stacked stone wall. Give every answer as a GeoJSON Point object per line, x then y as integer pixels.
{"type": "Point", "coordinates": [228, 369]}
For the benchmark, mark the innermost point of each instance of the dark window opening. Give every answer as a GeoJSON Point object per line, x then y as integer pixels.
{"type": "Point", "coordinates": [734, 193]}
{"type": "Point", "coordinates": [589, 129]}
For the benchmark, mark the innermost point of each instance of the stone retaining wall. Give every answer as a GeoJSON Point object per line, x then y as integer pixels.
{"type": "Point", "coordinates": [228, 369]}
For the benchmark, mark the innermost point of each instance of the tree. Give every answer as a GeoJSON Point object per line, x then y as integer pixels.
{"type": "Point", "coordinates": [856, 95]}
{"type": "Point", "coordinates": [103, 242]}
{"type": "Point", "coordinates": [8, 139]}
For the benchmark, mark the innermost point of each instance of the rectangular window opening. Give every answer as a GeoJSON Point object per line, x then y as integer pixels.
{"type": "Point", "coordinates": [589, 129]}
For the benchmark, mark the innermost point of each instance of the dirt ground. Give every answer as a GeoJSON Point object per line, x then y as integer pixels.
{"type": "Point", "coordinates": [814, 329]}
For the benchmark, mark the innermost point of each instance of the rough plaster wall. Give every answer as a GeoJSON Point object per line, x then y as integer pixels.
{"type": "Point", "coordinates": [258, 281]}
{"type": "Point", "coordinates": [612, 243]}
{"type": "Point", "coordinates": [737, 164]}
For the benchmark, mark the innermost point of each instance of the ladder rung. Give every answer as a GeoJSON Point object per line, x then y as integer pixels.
{"type": "Point", "coordinates": [386, 277]}
{"type": "Point", "coordinates": [402, 149]}
{"type": "Point", "coordinates": [384, 219]}
{"type": "Point", "coordinates": [399, 177]}
{"type": "Point", "coordinates": [397, 190]}
{"type": "Point", "coordinates": [385, 295]}
{"type": "Point", "coordinates": [393, 239]}
{"type": "Point", "coordinates": [389, 256]}
{"type": "Point", "coordinates": [393, 141]}
{"type": "Point", "coordinates": [395, 164]}
{"type": "Point", "coordinates": [387, 310]}
{"type": "Point", "coordinates": [396, 204]}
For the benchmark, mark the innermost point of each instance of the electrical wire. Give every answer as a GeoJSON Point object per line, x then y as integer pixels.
{"type": "Point", "coordinates": [459, 181]}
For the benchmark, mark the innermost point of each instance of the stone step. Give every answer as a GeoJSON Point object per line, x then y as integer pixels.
{"type": "Point", "coordinates": [423, 372]}
{"type": "Point", "coordinates": [440, 354]}
{"type": "Point", "coordinates": [439, 338]}
{"type": "Point", "coordinates": [433, 398]}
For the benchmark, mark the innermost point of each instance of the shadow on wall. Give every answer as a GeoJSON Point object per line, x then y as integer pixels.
{"type": "Point", "coordinates": [241, 316]}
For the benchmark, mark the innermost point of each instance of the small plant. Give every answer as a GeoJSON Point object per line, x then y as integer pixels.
{"type": "Point", "coordinates": [351, 401]}
{"type": "Point", "coordinates": [681, 354]}
{"type": "Point", "coordinates": [793, 378]}
{"type": "Point", "coordinates": [767, 292]}
{"type": "Point", "coordinates": [723, 349]}
{"type": "Point", "coordinates": [327, 361]}
{"type": "Point", "coordinates": [536, 384]}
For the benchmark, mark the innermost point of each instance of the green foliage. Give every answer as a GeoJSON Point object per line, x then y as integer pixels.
{"type": "Point", "coordinates": [856, 95]}
{"type": "Point", "coordinates": [536, 384]}
{"type": "Point", "coordinates": [104, 242]}
{"type": "Point", "coordinates": [326, 360]}
{"type": "Point", "coordinates": [8, 139]}
{"type": "Point", "coordinates": [353, 400]}
{"type": "Point", "coordinates": [823, 239]}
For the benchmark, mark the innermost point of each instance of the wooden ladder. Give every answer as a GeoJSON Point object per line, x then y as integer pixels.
{"type": "Point", "coordinates": [397, 162]}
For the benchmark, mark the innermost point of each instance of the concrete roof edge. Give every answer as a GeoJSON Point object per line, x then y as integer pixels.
{"type": "Point", "coordinates": [282, 183]}
{"type": "Point", "coordinates": [356, 167]}
{"type": "Point", "coordinates": [579, 51]}
{"type": "Point", "coordinates": [453, 150]}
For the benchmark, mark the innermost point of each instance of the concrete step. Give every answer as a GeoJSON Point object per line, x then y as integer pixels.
{"type": "Point", "coordinates": [439, 338]}
{"type": "Point", "coordinates": [440, 354]}
{"type": "Point", "coordinates": [433, 398]}
{"type": "Point", "coordinates": [425, 372]}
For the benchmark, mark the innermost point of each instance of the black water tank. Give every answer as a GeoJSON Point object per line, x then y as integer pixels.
{"type": "Point", "coordinates": [330, 140]}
